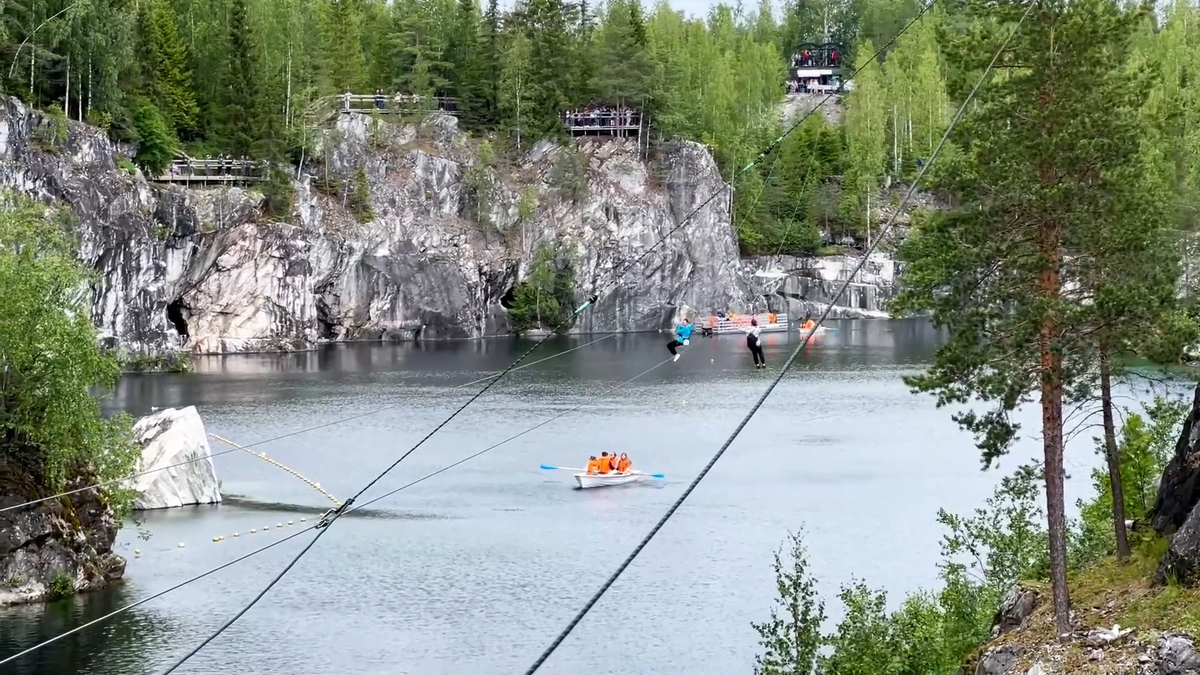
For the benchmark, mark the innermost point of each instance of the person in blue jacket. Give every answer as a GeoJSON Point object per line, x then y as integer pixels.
{"type": "Point", "coordinates": [682, 332]}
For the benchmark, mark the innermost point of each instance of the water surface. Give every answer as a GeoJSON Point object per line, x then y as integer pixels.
{"type": "Point", "coordinates": [477, 569]}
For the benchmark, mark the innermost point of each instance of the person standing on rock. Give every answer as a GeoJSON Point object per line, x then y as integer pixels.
{"type": "Point", "coordinates": [682, 334]}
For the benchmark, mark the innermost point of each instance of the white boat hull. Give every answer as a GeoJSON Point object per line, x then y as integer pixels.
{"type": "Point", "coordinates": [595, 480]}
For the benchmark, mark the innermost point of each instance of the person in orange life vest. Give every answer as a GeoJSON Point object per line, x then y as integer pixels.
{"type": "Point", "coordinates": [612, 461]}
{"type": "Point", "coordinates": [809, 324]}
{"type": "Point", "coordinates": [605, 463]}
{"type": "Point", "coordinates": [593, 466]}
{"type": "Point", "coordinates": [623, 463]}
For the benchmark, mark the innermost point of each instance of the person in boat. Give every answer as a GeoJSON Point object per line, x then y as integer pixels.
{"type": "Point", "coordinates": [605, 464]}
{"type": "Point", "coordinates": [682, 333]}
{"type": "Point", "coordinates": [623, 464]}
{"type": "Point", "coordinates": [809, 324]}
{"type": "Point", "coordinates": [754, 343]}
{"type": "Point", "coordinates": [593, 466]}
{"type": "Point", "coordinates": [613, 462]}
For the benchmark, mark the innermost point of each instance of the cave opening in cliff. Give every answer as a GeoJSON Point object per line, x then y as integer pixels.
{"type": "Point", "coordinates": [175, 316]}
{"type": "Point", "coordinates": [509, 297]}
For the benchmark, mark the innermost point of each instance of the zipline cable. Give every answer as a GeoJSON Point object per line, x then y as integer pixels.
{"type": "Point", "coordinates": [159, 594]}
{"type": "Point", "coordinates": [782, 371]}
{"type": "Point", "coordinates": [313, 527]}
{"type": "Point", "coordinates": [324, 524]}
{"type": "Point", "coordinates": [280, 437]}
{"type": "Point", "coordinates": [333, 515]}
{"type": "Point", "coordinates": [595, 296]}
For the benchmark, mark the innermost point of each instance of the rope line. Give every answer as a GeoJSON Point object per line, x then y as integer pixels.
{"type": "Point", "coordinates": [280, 437]}
{"type": "Point", "coordinates": [159, 594]}
{"type": "Point", "coordinates": [782, 371]}
{"type": "Point", "coordinates": [263, 457]}
{"type": "Point", "coordinates": [595, 296]}
{"type": "Point", "coordinates": [324, 525]}
{"type": "Point", "coordinates": [333, 515]}
{"type": "Point", "coordinates": [356, 508]}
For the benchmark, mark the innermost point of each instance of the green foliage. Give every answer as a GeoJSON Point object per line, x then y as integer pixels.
{"type": "Point", "coordinates": [791, 639]}
{"type": "Point", "coordinates": [569, 175]}
{"type": "Point", "coordinates": [983, 556]}
{"type": "Point", "coordinates": [61, 586]}
{"type": "Point", "coordinates": [169, 362]}
{"type": "Point", "coordinates": [279, 194]}
{"type": "Point", "coordinates": [156, 144]}
{"type": "Point", "coordinates": [359, 199]}
{"type": "Point", "coordinates": [163, 58]}
{"type": "Point", "coordinates": [49, 360]}
{"type": "Point", "coordinates": [1144, 448]}
{"type": "Point", "coordinates": [52, 132]}
{"type": "Point", "coordinates": [546, 299]}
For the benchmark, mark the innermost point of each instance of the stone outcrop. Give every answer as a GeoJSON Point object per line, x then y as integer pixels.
{"type": "Point", "coordinates": [1176, 511]}
{"type": "Point", "coordinates": [799, 286]}
{"type": "Point", "coordinates": [205, 270]}
{"type": "Point", "coordinates": [176, 454]}
{"type": "Point", "coordinates": [57, 547]}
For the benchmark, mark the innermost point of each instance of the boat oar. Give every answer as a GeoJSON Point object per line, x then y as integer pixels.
{"type": "Point", "coordinates": [547, 467]}
{"type": "Point", "coordinates": [650, 475]}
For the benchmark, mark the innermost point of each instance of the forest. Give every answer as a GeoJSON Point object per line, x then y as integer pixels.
{"type": "Point", "coordinates": [241, 78]}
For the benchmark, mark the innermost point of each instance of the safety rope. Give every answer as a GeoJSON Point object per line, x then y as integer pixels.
{"type": "Point", "coordinates": [356, 508]}
{"type": "Point", "coordinates": [280, 437]}
{"type": "Point", "coordinates": [331, 517]}
{"type": "Point", "coordinates": [263, 457]}
{"type": "Point", "coordinates": [787, 365]}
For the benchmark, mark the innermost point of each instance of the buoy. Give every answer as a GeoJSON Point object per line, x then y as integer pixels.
{"type": "Point", "coordinates": [236, 534]}
{"type": "Point", "coordinates": [181, 544]}
{"type": "Point", "coordinates": [302, 520]}
{"type": "Point", "coordinates": [266, 527]}
{"type": "Point", "coordinates": [279, 525]}
{"type": "Point", "coordinates": [216, 539]}
{"type": "Point", "coordinates": [252, 530]}
{"type": "Point", "coordinates": [289, 522]}
{"type": "Point", "coordinates": [137, 551]}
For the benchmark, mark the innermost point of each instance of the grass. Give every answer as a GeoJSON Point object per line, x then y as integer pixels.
{"type": "Point", "coordinates": [1109, 593]}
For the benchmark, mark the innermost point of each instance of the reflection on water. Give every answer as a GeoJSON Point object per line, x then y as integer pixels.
{"type": "Point", "coordinates": [126, 638]}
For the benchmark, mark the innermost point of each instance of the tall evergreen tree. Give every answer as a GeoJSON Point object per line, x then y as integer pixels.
{"type": "Point", "coordinates": [166, 74]}
{"type": "Point", "coordinates": [1042, 168]}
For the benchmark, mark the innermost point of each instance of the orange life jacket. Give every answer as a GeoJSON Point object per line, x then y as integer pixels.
{"type": "Point", "coordinates": [623, 465]}
{"type": "Point", "coordinates": [605, 465]}
{"type": "Point", "coordinates": [593, 466]}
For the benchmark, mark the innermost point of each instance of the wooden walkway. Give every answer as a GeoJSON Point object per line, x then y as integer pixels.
{"type": "Point", "coordinates": [210, 171]}
{"type": "Point", "coordinates": [605, 122]}
{"type": "Point", "coordinates": [323, 109]}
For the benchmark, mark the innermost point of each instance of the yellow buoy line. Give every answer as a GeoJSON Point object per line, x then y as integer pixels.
{"type": "Point", "coordinates": [263, 457]}
{"type": "Point", "coordinates": [137, 552]}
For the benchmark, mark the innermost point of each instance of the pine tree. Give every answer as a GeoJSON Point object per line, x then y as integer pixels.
{"type": "Point", "coordinates": [164, 63]}
{"type": "Point", "coordinates": [866, 126]}
{"type": "Point", "coordinates": [239, 91]}
{"type": "Point", "coordinates": [1041, 169]}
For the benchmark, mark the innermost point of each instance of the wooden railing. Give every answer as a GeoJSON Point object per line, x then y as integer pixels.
{"type": "Point", "coordinates": [767, 322]}
{"type": "Point", "coordinates": [603, 122]}
{"type": "Point", "coordinates": [220, 170]}
{"type": "Point", "coordinates": [386, 104]}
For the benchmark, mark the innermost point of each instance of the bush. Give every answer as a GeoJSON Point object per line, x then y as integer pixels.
{"type": "Point", "coordinates": [546, 299]}
{"type": "Point", "coordinates": [156, 142]}
{"type": "Point", "coordinates": [50, 362]}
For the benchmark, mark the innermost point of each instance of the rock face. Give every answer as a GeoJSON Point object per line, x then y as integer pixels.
{"type": "Point", "coordinates": [57, 547]}
{"type": "Point", "coordinates": [1176, 511]}
{"type": "Point", "coordinates": [176, 439]}
{"type": "Point", "coordinates": [799, 286]}
{"type": "Point", "coordinates": [204, 270]}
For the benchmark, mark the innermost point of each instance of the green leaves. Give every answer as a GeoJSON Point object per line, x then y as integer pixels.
{"type": "Point", "coordinates": [49, 360]}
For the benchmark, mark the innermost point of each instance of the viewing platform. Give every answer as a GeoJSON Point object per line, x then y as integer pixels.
{"type": "Point", "coordinates": [815, 69]}
{"type": "Point", "coordinates": [604, 122]}
{"type": "Point", "coordinates": [213, 171]}
{"type": "Point", "coordinates": [383, 104]}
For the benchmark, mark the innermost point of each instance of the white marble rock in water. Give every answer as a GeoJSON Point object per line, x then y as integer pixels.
{"type": "Point", "coordinates": [168, 437]}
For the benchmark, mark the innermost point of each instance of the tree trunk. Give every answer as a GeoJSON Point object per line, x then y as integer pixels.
{"type": "Point", "coordinates": [1110, 452]}
{"type": "Point", "coordinates": [1049, 284]}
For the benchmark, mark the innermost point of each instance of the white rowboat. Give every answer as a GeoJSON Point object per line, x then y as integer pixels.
{"type": "Point", "coordinates": [595, 480]}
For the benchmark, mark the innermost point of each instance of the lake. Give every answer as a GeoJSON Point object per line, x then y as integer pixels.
{"type": "Point", "coordinates": [477, 569]}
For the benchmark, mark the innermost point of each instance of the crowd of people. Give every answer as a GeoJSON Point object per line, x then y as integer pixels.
{"type": "Point", "coordinates": [812, 85]}
{"type": "Point", "coordinates": [384, 101]}
{"type": "Point", "coordinates": [817, 57]}
{"type": "Point", "coordinates": [603, 116]}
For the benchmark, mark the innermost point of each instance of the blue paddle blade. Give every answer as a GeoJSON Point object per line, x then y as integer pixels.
{"type": "Point", "coordinates": [548, 467]}
{"type": "Point", "coordinates": [657, 475]}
